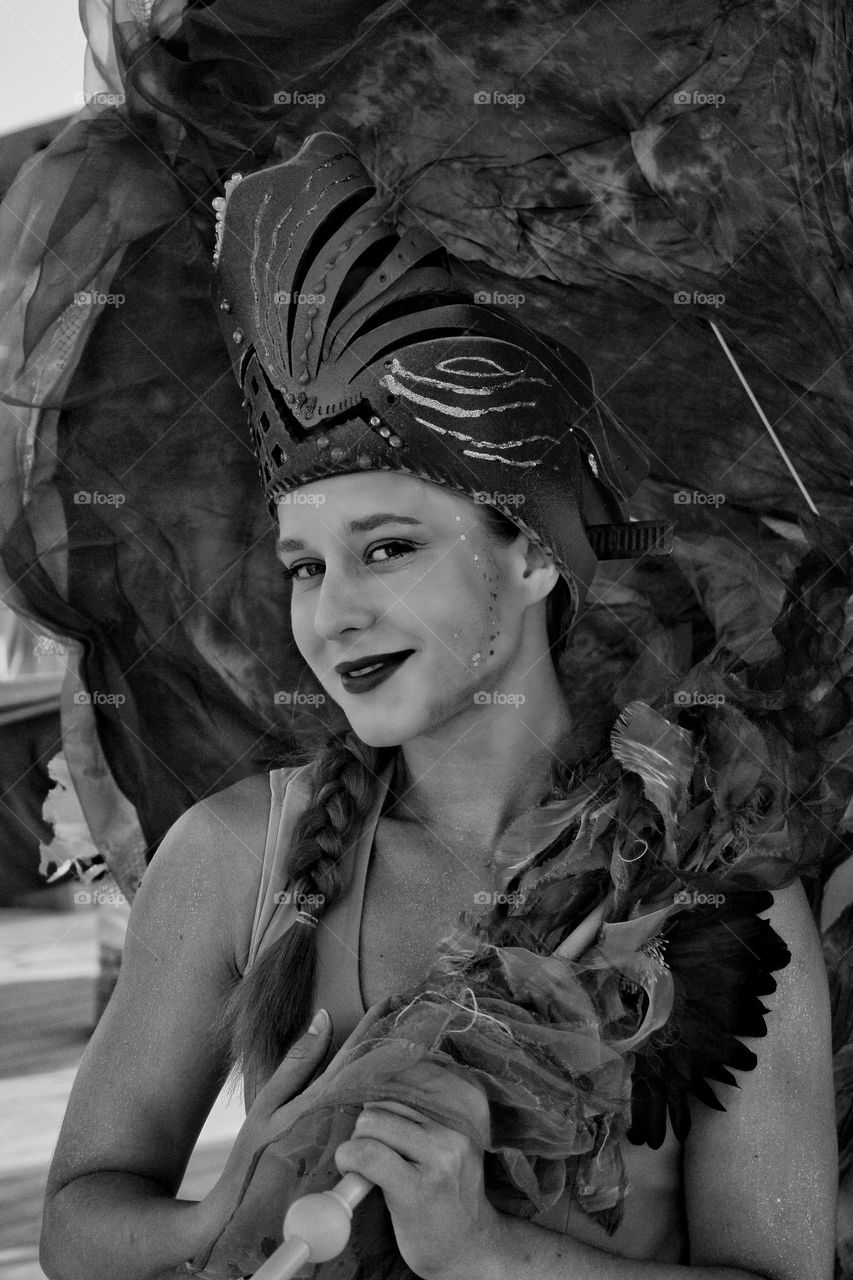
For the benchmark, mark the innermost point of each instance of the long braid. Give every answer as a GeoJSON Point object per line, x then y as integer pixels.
{"type": "Point", "coordinates": [269, 1008]}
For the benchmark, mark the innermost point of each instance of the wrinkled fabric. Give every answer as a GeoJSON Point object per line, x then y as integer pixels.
{"type": "Point", "coordinates": [678, 154]}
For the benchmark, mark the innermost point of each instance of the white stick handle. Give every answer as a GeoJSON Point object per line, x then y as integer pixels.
{"type": "Point", "coordinates": [583, 935]}
{"type": "Point", "coordinates": [316, 1228]}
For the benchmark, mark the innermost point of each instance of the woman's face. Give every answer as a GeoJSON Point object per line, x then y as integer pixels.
{"type": "Point", "coordinates": [384, 563]}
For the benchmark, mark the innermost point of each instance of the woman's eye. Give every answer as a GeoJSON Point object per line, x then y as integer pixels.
{"type": "Point", "coordinates": [293, 573]}
{"type": "Point", "coordinates": [394, 543]}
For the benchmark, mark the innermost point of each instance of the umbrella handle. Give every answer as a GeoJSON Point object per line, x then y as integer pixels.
{"type": "Point", "coordinates": [316, 1228]}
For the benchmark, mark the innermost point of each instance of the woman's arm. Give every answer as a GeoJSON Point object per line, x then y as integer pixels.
{"type": "Point", "coordinates": [150, 1075]}
{"type": "Point", "coordinates": [760, 1178]}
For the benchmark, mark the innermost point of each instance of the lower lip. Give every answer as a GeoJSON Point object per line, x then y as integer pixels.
{"type": "Point", "coordinates": [363, 684]}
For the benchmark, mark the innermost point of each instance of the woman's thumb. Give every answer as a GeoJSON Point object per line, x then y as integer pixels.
{"type": "Point", "coordinates": [319, 1023]}
{"type": "Point", "coordinates": [308, 1044]}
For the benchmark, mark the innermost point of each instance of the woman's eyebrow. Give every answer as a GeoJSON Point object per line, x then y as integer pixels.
{"type": "Point", "coordinates": [364, 525]}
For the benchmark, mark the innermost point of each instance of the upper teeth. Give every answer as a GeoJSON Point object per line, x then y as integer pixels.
{"type": "Point", "coordinates": [363, 671]}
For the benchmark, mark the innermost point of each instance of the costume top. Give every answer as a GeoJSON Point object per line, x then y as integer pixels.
{"type": "Point", "coordinates": [653, 1225]}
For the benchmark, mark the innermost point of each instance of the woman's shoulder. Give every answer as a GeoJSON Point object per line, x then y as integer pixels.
{"type": "Point", "coordinates": [215, 850]}
{"type": "Point", "coordinates": [235, 820]}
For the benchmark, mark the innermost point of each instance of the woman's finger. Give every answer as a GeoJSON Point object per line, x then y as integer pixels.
{"type": "Point", "coordinates": [401, 1134]}
{"type": "Point", "coordinates": [377, 1162]}
{"type": "Point", "coordinates": [399, 1108]}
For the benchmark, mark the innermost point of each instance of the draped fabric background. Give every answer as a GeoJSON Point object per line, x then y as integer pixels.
{"type": "Point", "coordinates": [618, 174]}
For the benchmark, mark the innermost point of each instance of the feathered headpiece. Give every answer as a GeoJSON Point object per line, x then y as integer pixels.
{"type": "Point", "coordinates": [355, 351]}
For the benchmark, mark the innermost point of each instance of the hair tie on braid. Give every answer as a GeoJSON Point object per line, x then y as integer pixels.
{"type": "Point", "coordinates": [306, 917]}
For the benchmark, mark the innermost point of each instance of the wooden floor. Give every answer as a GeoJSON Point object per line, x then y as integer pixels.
{"type": "Point", "coordinates": [48, 966]}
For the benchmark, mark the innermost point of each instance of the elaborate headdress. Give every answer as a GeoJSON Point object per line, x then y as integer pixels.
{"type": "Point", "coordinates": [356, 351]}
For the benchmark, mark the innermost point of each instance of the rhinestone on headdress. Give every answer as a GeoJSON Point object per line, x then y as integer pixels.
{"type": "Point", "coordinates": [219, 203]}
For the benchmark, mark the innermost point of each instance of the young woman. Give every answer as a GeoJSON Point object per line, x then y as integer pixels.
{"type": "Point", "coordinates": [440, 478]}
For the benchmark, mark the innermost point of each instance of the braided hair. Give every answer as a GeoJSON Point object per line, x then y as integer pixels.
{"type": "Point", "coordinates": [269, 1008]}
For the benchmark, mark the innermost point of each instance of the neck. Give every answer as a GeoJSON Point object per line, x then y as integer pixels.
{"type": "Point", "coordinates": [468, 790]}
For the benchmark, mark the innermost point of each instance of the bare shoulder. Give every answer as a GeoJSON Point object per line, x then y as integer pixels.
{"type": "Point", "coordinates": [224, 836]}
{"type": "Point", "coordinates": [792, 918]}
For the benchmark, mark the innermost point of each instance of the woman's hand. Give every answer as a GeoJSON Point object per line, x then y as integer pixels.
{"type": "Point", "coordinates": [432, 1180]}
{"type": "Point", "coordinates": [265, 1120]}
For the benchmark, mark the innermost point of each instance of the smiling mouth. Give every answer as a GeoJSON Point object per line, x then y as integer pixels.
{"type": "Point", "coordinates": [373, 667]}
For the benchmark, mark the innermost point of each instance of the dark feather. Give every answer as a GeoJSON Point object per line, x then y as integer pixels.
{"type": "Point", "coordinates": [722, 958]}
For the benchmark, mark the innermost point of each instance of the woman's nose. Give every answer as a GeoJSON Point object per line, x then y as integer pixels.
{"type": "Point", "coordinates": [344, 603]}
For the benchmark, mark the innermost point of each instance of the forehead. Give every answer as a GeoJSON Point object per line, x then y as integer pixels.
{"type": "Point", "coordinates": [337, 500]}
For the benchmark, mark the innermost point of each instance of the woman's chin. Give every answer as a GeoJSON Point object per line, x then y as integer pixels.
{"type": "Point", "coordinates": [394, 727]}
{"type": "Point", "coordinates": [380, 730]}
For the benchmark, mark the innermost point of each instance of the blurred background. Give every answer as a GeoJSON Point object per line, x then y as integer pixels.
{"type": "Point", "coordinates": [60, 940]}
{"type": "Point", "coordinates": [41, 62]}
